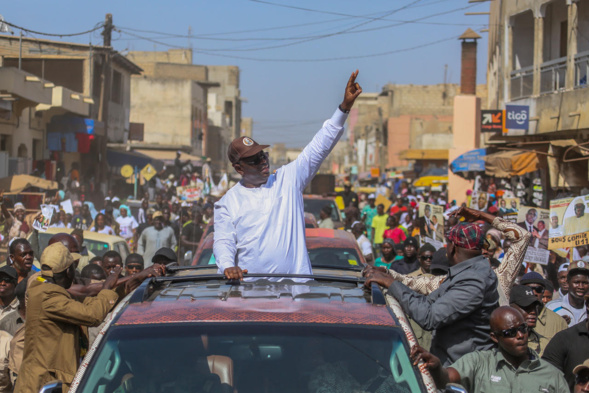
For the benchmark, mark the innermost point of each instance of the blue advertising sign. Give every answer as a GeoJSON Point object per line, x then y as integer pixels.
{"type": "Point", "coordinates": [472, 161]}
{"type": "Point", "coordinates": [517, 117]}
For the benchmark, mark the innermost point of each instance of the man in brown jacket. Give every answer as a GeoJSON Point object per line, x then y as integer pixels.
{"type": "Point", "coordinates": [52, 341]}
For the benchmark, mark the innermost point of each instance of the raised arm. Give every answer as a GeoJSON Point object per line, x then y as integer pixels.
{"type": "Point", "coordinates": [310, 159]}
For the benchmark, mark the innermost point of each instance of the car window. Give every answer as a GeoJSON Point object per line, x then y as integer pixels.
{"type": "Point", "coordinates": [97, 247]}
{"type": "Point", "coordinates": [335, 257]}
{"type": "Point", "coordinates": [252, 358]}
{"type": "Point", "coordinates": [314, 206]}
{"type": "Point", "coordinates": [206, 258]}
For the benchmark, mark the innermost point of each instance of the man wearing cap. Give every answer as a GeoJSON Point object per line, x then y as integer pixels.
{"type": "Point", "coordinates": [506, 273]}
{"type": "Point", "coordinates": [155, 237]}
{"type": "Point", "coordinates": [524, 300]}
{"type": "Point", "coordinates": [349, 197]}
{"type": "Point", "coordinates": [579, 222]}
{"type": "Point", "coordinates": [555, 229]}
{"type": "Point", "coordinates": [581, 373]}
{"type": "Point", "coordinates": [16, 221]}
{"type": "Point", "coordinates": [571, 306]}
{"type": "Point", "coordinates": [259, 223]}
{"type": "Point", "coordinates": [368, 213]}
{"type": "Point", "coordinates": [459, 310]}
{"type": "Point", "coordinates": [509, 367]}
{"type": "Point", "coordinates": [549, 323]}
{"type": "Point", "coordinates": [410, 262]}
{"type": "Point", "coordinates": [52, 341]}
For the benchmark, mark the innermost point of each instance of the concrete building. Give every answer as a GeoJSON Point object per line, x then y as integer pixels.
{"type": "Point", "coordinates": [89, 88]}
{"type": "Point", "coordinates": [194, 108]}
{"type": "Point", "coordinates": [404, 125]}
{"type": "Point", "coordinates": [539, 58]}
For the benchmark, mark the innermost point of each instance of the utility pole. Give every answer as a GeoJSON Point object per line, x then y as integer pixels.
{"type": "Point", "coordinates": [105, 94]}
{"type": "Point", "coordinates": [108, 28]}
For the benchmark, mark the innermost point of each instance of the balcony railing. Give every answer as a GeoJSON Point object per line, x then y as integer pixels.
{"type": "Point", "coordinates": [581, 69]}
{"type": "Point", "coordinates": [522, 81]}
{"type": "Point", "coordinates": [553, 75]}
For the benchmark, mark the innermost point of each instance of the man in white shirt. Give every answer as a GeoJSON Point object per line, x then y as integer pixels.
{"type": "Point", "coordinates": [363, 242]}
{"type": "Point", "coordinates": [259, 223]}
{"type": "Point", "coordinates": [572, 306]}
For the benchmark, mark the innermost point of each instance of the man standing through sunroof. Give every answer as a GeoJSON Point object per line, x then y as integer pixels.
{"type": "Point", "coordinates": [259, 223]}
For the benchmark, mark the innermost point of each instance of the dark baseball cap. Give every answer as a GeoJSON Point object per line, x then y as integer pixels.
{"type": "Point", "coordinates": [523, 296]}
{"type": "Point", "coordinates": [411, 241]}
{"type": "Point", "coordinates": [244, 146]}
{"type": "Point", "coordinates": [9, 271]}
{"type": "Point", "coordinates": [165, 252]}
{"type": "Point", "coordinates": [440, 262]}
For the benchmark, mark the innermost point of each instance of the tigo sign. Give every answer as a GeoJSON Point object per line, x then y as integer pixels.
{"type": "Point", "coordinates": [517, 117]}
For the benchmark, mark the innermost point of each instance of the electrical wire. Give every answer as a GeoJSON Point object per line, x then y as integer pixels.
{"type": "Point", "coordinates": [301, 40]}
{"type": "Point", "coordinates": [380, 54]}
{"type": "Point", "coordinates": [97, 27]}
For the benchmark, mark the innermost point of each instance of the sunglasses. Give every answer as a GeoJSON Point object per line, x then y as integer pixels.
{"type": "Point", "coordinates": [424, 257]}
{"type": "Point", "coordinates": [6, 280]}
{"type": "Point", "coordinates": [509, 333]}
{"type": "Point", "coordinates": [582, 380]}
{"type": "Point", "coordinates": [256, 160]}
{"type": "Point", "coordinates": [538, 289]}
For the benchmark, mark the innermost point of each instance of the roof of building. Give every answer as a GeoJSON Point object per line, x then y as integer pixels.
{"type": "Point", "coordinates": [469, 34]}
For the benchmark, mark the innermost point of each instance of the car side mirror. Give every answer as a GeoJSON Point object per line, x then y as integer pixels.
{"type": "Point", "coordinates": [52, 387]}
{"type": "Point", "coordinates": [454, 388]}
{"type": "Point", "coordinates": [187, 258]}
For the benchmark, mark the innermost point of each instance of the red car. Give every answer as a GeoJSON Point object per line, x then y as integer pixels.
{"type": "Point", "coordinates": [327, 248]}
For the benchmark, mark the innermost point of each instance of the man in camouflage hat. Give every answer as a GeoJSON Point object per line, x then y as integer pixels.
{"type": "Point", "coordinates": [52, 342]}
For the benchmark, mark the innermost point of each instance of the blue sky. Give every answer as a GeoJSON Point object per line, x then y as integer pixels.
{"type": "Point", "coordinates": [295, 56]}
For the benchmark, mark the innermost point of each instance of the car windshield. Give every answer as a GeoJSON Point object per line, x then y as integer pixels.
{"type": "Point", "coordinates": [253, 358]}
{"type": "Point", "coordinates": [95, 246]}
{"type": "Point", "coordinates": [346, 258]}
{"type": "Point", "coordinates": [314, 206]}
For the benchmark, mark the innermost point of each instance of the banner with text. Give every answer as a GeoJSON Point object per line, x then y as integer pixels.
{"type": "Point", "coordinates": [569, 222]}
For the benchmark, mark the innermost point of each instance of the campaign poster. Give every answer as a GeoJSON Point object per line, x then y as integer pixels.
{"type": "Point", "coordinates": [509, 208]}
{"type": "Point", "coordinates": [45, 219]}
{"type": "Point", "coordinates": [569, 222]}
{"type": "Point", "coordinates": [479, 200]}
{"type": "Point", "coordinates": [189, 193]}
{"type": "Point", "coordinates": [431, 223]}
{"type": "Point", "coordinates": [535, 221]}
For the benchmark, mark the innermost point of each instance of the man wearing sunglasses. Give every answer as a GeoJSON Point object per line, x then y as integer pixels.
{"type": "Point", "coordinates": [510, 367]}
{"type": "Point", "coordinates": [549, 323]}
{"type": "Point", "coordinates": [259, 223]}
{"type": "Point", "coordinates": [527, 303]}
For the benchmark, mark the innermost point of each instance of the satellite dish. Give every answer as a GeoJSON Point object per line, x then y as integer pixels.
{"type": "Point", "coordinates": [127, 171]}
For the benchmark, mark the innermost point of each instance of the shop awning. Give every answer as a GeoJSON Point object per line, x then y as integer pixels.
{"type": "Point", "coordinates": [118, 158]}
{"type": "Point", "coordinates": [424, 154]}
{"type": "Point", "coordinates": [18, 183]}
{"type": "Point", "coordinates": [168, 156]}
{"type": "Point", "coordinates": [511, 163]}
{"type": "Point", "coordinates": [471, 161]}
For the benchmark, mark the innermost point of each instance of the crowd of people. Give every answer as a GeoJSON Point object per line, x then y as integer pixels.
{"type": "Point", "coordinates": [482, 316]}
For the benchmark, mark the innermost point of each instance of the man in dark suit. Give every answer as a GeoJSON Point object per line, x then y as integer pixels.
{"type": "Point", "coordinates": [528, 224]}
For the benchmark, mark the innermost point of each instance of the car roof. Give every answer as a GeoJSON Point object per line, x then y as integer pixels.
{"type": "Point", "coordinates": [313, 196]}
{"type": "Point", "coordinates": [88, 235]}
{"type": "Point", "coordinates": [217, 300]}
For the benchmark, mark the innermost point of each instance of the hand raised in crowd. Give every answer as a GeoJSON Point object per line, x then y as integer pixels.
{"type": "Point", "coordinates": [353, 90]}
{"type": "Point", "coordinates": [234, 273]}
{"type": "Point", "coordinates": [111, 280]}
{"type": "Point", "coordinates": [155, 270]}
{"type": "Point", "coordinates": [469, 214]}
